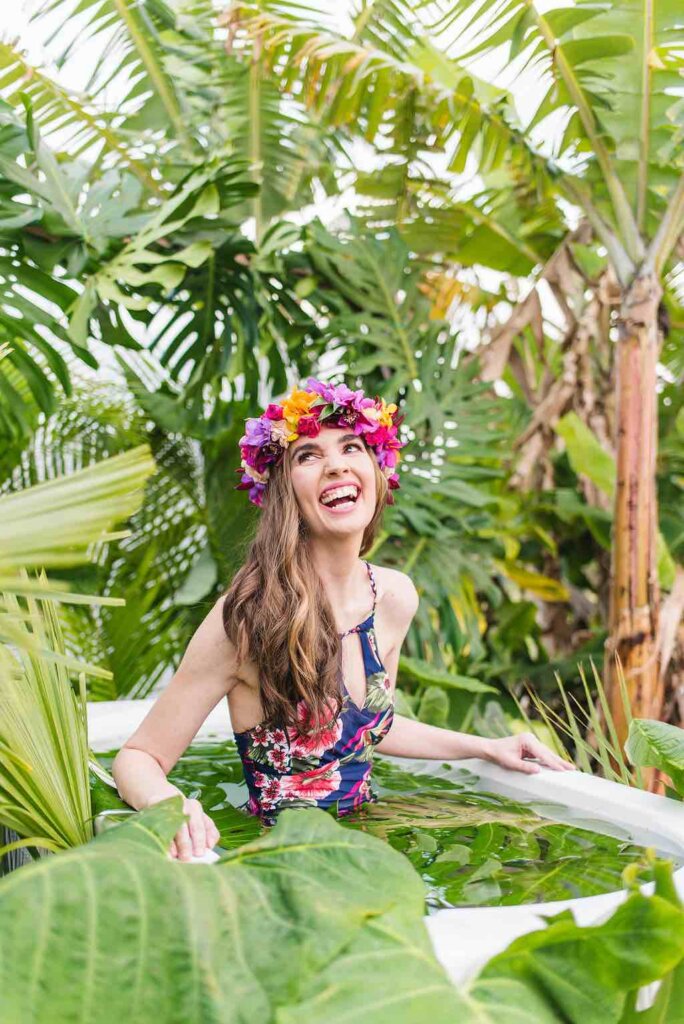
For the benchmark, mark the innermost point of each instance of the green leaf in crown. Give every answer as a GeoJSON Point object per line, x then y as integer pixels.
{"type": "Point", "coordinates": [325, 410]}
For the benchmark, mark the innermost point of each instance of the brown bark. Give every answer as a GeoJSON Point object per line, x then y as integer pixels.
{"type": "Point", "coordinates": [634, 592]}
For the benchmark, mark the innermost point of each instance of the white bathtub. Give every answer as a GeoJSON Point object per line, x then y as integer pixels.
{"type": "Point", "coordinates": [464, 938]}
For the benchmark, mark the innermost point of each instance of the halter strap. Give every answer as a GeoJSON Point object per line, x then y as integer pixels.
{"type": "Point", "coordinates": [357, 628]}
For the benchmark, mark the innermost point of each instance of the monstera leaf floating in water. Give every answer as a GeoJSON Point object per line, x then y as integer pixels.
{"type": "Point", "coordinates": [307, 923]}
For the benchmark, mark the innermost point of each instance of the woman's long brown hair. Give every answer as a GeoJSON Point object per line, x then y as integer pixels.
{"type": "Point", "coordinates": [278, 616]}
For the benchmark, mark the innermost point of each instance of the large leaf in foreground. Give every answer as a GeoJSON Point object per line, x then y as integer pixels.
{"type": "Point", "coordinates": [310, 922]}
{"type": "Point", "coordinates": [584, 975]}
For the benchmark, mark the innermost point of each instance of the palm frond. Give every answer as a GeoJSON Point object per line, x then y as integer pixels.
{"type": "Point", "coordinates": [625, 125]}
{"type": "Point", "coordinates": [55, 523]}
{"type": "Point", "coordinates": [132, 55]}
{"type": "Point", "coordinates": [385, 98]}
{"type": "Point", "coordinates": [80, 124]}
{"type": "Point", "coordinates": [44, 786]}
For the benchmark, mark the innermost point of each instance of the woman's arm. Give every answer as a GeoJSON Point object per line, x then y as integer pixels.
{"type": "Point", "coordinates": [207, 673]}
{"type": "Point", "coordinates": [410, 738]}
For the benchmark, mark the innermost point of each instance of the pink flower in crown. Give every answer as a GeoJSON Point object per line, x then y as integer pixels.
{"type": "Point", "coordinates": [308, 426]}
{"type": "Point", "coordinates": [313, 746]}
{"type": "Point", "coordinates": [273, 412]}
{"type": "Point", "coordinates": [312, 785]}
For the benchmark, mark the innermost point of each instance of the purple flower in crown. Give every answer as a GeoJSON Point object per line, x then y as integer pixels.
{"type": "Point", "coordinates": [257, 432]}
{"type": "Point", "coordinates": [340, 394]}
{"type": "Point", "coordinates": [255, 487]}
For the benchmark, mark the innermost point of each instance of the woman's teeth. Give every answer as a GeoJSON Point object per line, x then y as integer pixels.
{"type": "Point", "coordinates": [341, 499]}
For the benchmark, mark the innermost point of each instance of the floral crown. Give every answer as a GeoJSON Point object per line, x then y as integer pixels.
{"type": "Point", "coordinates": [302, 414]}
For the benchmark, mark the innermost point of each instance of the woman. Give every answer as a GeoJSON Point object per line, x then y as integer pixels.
{"type": "Point", "coordinates": [308, 670]}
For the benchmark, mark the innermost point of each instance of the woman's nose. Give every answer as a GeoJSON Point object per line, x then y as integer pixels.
{"type": "Point", "coordinates": [334, 461]}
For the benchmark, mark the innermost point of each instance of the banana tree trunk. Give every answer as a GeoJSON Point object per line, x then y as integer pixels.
{"type": "Point", "coordinates": [634, 590]}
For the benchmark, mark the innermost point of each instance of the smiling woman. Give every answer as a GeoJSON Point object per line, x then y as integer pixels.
{"type": "Point", "coordinates": [308, 709]}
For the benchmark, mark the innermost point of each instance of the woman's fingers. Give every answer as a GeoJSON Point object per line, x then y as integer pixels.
{"type": "Point", "coordinates": [198, 836]}
{"type": "Point", "coordinates": [528, 767]}
{"type": "Point", "coordinates": [184, 843]}
{"type": "Point", "coordinates": [513, 752]}
{"type": "Point", "coordinates": [532, 747]}
{"type": "Point", "coordinates": [212, 833]}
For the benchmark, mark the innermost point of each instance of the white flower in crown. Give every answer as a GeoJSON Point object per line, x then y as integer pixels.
{"type": "Point", "coordinates": [261, 478]}
{"type": "Point", "coordinates": [371, 413]}
{"type": "Point", "coordinates": [280, 432]}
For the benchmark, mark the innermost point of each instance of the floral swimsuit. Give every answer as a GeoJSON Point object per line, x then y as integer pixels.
{"type": "Point", "coordinates": [284, 768]}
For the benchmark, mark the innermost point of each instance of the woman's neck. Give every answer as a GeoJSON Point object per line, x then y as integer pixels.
{"type": "Point", "coordinates": [338, 566]}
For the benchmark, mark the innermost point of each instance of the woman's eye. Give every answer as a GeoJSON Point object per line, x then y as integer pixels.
{"type": "Point", "coordinates": [350, 444]}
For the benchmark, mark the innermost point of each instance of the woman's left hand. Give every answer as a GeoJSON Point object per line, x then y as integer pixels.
{"type": "Point", "coordinates": [511, 752]}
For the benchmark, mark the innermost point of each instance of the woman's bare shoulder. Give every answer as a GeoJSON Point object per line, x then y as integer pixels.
{"type": "Point", "coordinates": [397, 592]}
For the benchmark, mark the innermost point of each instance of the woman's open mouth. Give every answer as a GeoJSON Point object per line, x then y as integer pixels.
{"type": "Point", "coordinates": [341, 499]}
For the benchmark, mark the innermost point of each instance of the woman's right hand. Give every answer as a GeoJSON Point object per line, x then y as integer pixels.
{"type": "Point", "coordinates": [194, 837]}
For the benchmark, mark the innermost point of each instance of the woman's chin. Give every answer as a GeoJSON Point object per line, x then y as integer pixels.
{"type": "Point", "coordinates": [351, 520]}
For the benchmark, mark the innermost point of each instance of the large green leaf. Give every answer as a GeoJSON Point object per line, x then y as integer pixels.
{"type": "Point", "coordinates": [653, 744]}
{"type": "Point", "coordinates": [290, 927]}
{"type": "Point", "coordinates": [424, 672]}
{"type": "Point", "coordinates": [586, 453]}
{"type": "Point", "coordinates": [55, 522]}
{"type": "Point", "coordinates": [583, 975]}
{"type": "Point", "coordinates": [588, 457]}
{"type": "Point", "coordinates": [293, 926]}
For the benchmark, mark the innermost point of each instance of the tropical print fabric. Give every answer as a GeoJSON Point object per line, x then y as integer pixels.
{"type": "Point", "coordinates": [285, 768]}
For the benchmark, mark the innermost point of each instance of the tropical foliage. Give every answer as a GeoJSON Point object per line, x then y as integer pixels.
{"type": "Point", "coordinates": [658, 745]}
{"type": "Point", "coordinates": [167, 237]}
{"type": "Point", "coordinates": [295, 926]}
{"type": "Point", "coordinates": [44, 783]}
{"type": "Point", "coordinates": [513, 279]}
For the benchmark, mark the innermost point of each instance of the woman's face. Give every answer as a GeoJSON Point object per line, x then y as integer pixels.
{"type": "Point", "coordinates": [319, 466]}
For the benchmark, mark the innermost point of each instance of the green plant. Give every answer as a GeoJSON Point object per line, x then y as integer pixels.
{"type": "Point", "coordinates": [295, 926]}
{"type": "Point", "coordinates": [652, 744]}
{"type": "Point", "coordinates": [44, 786]}
{"type": "Point", "coordinates": [565, 973]}
{"type": "Point", "coordinates": [590, 728]}
{"type": "Point", "coordinates": [310, 922]}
